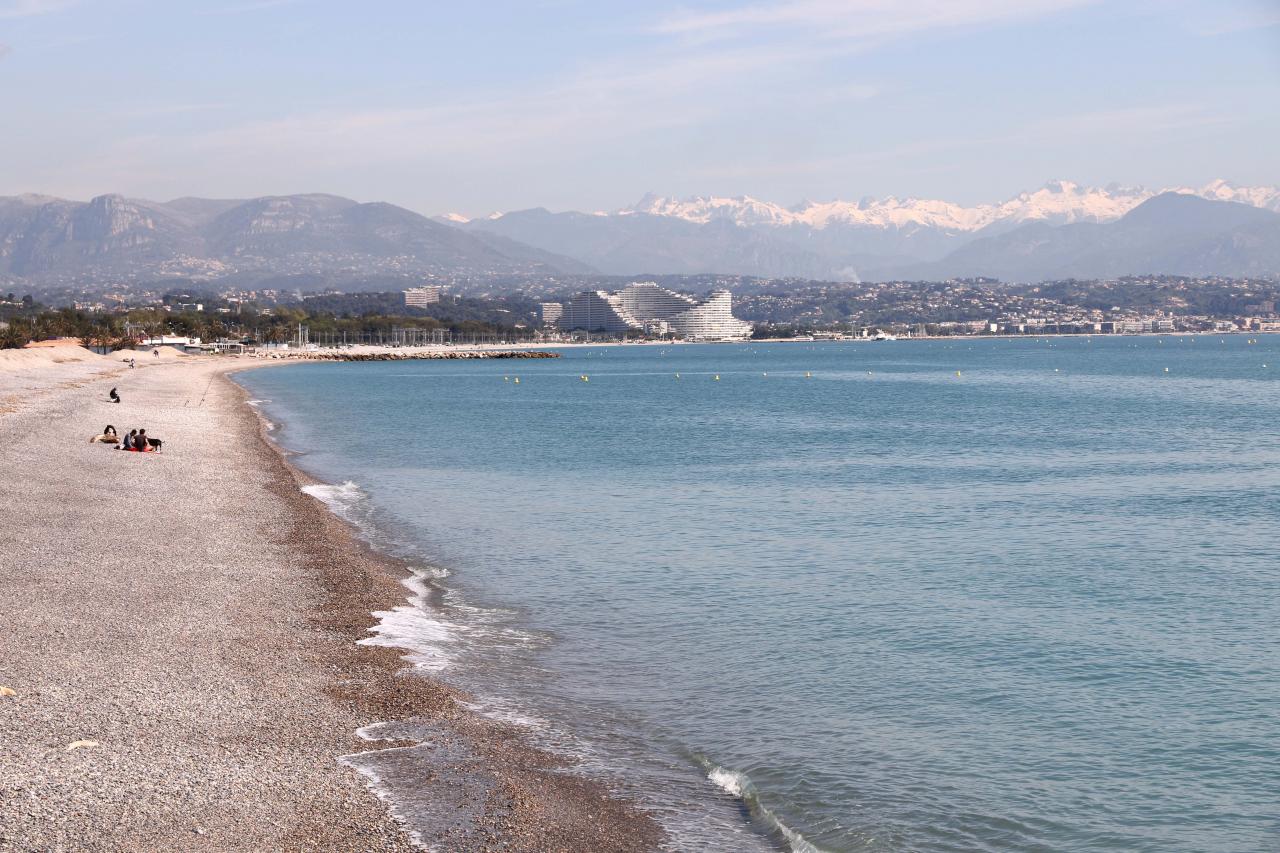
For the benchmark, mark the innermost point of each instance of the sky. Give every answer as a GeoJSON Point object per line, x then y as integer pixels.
{"type": "Point", "coordinates": [482, 106]}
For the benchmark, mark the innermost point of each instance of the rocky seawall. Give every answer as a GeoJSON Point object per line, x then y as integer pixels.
{"type": "Point", "coordinates": [406, 356]}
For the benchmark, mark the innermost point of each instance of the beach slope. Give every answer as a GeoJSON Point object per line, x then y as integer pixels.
{"type": "Point", "coordinates": [179, 642]}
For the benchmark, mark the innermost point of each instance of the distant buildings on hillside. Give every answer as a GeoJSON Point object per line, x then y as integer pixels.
{"type": "Point", "coordinates": [645, 307]}
{"type": "Point", "coordinates": [421, 297]}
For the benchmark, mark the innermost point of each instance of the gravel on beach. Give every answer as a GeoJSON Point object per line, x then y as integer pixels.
{"type": "Point", "coordinates": [180, 638]}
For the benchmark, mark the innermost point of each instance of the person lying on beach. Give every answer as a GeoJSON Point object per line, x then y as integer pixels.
{"type": "Point", "coordinates": [109, 430]}
{"type": "Point", "coordinates": [105, 438]}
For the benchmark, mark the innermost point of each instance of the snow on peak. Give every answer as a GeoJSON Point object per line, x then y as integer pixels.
{"type": "Point", "coordinates": [742, 210]}
{"type": "Point", "coordinates": [1057, 202]}
{"type": "Point", "coordinates": [1220, 190]}
{"type": "Point", "coordinates": [456, 217]}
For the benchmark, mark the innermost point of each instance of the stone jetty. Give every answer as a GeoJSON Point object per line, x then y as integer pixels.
{"type": "Point", "coordinates": [408, 355]}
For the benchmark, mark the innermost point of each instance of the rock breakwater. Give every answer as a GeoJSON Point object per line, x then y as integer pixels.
{"type": "Point", "coordinates": [407, 356]}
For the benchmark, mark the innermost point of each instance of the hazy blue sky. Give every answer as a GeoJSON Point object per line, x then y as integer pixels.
{"type": "Point", "coordinates": [476, 106]}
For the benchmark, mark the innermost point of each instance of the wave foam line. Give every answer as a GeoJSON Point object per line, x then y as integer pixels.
{"type": "Point", "coordinates": [411, 626]}
{"type": "Point", "coordinates": [739, 786]}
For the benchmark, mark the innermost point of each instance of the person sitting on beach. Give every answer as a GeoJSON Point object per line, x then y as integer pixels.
{"type": "Point", "coordinates": [129, 438]}
{"type": "Point", "coordinates": [115, 398]}
{"type": "Point", "coordinates": [140, 443]}
{"type": "Point", "coordinates": [107, 436]}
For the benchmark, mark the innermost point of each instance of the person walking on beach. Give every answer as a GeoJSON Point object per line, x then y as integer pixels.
{"type": "Point", "coordinates": [115, 398]}
{"type": "Point", "coordinates": [131, 364]}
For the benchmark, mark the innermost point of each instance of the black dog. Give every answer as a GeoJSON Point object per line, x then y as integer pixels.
{"type": "Point", "coordinates": [155, 443]}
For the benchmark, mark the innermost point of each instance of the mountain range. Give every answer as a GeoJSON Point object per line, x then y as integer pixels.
{"type": "Point", "coordinates": [1058, 231]}
{"type": "Point", "coordinates": [43, 237]}
{"type": "Point", "coordinates": [872, 238]}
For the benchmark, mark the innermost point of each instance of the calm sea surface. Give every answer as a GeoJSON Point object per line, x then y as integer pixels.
{"type": "Point", "coordinates": [918, 595]}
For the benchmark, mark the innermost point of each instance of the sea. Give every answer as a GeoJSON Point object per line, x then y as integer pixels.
{"type": "Point", "coordinates": [916, 595]}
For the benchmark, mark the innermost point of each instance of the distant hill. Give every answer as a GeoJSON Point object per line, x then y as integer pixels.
{"type": "Point", "coordinates": [312, 241]}
{"type": "Point", "coordinates": [646, 243]}
{"type": "Point", "coordinates": [837, 240]}
{"type": "Point", "coordinates": [1172, 233]}
{"type": "Point", "coordinates": [43, 237]}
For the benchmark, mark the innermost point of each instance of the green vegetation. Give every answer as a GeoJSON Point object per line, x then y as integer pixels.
{"type": "Point", "coordinates": [351, 318]}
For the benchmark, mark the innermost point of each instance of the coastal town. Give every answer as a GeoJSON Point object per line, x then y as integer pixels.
{"type": "Point", "coordinates": [673, 308]}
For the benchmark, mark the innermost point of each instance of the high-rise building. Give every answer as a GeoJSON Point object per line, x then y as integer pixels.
{"type": "Point", "coordinates": [646, 307]}
{"type": "Point", "coordinates": [420, 297]}
{"type": "Point", "coordinates": [551, 313]}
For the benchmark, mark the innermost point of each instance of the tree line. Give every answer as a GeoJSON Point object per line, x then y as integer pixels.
{"type": "Point", "coordinates": [105, 331]}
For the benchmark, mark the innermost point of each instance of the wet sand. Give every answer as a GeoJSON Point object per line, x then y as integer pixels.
{"type": "Point", "coordinates": [190, 618]}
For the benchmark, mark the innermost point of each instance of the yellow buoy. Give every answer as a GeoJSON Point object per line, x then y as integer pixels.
{"type": "Point", "coordinates": [517, 380]}
{"type": "Point", "coordinates": [808, 375]}
{"type": "Point", "coordinates": [957, 373]}
{"type": "Point", "coordinates": [717, 377]}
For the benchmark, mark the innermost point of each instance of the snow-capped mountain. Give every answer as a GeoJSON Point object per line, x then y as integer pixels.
{"type": "Point", "coordinates": [1057, 203]}
{"type": "Point", "coordinates": [844, 240]}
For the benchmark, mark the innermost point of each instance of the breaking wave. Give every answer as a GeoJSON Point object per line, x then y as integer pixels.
{"type": "Point", "coordinates": [739, 786]}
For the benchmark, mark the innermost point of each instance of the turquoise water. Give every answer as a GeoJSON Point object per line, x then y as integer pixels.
{"type": "Point", "coordinates": [1029, 607]}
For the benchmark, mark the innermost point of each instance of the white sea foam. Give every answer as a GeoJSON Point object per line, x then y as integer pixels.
{"type": "Point", "coordinates": [256, 406]}
{"type": "Point", "coordinates": [502, 711]}
{"type": "Point", "coordinates": [414, 628]}
{"type": "Point", "coordinates": [739, 786]}
{"type": "Point", "coordinates": [341, 499]}
{"type": "Point", "coordinates": [375, 783]}
{"type": "Point", "coordinates": [731, 782]}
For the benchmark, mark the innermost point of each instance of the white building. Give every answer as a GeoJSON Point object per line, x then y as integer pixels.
{"type": "Point", "coordinates": [646, 307]}
{"type": "Point", "coordinates": [551, 313]}
{"type": "Point", "coordinates": [421, 297]}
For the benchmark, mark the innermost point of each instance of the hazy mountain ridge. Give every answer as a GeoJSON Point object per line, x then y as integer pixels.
{"type": "Point", "coordinates": [1057, 202]}
{"type": "Point", "coordinates": [839, 240]}
{"type": "Point", "coordinates": [1060, 230]}
{"type": "Point", "coordinates": [41, 236]}
{"type": "Point", "coordinates": [1172, 233]}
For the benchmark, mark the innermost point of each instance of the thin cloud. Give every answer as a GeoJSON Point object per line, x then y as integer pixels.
{"type": "Point", "coordinates": [866, 19]}
{"type": "Point", "coordinates": [242, 8]}
{"type": "Point", "coordinates": [155, 111]}
{"type": "Point", "coordinates": [29, 8]}
{"type": "Point", "coordinates": [924, 155]}
{"type": "Point", "coordinates": [1128, 121]}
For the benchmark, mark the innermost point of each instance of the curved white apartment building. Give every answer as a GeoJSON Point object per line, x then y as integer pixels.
{"type": "Point", "coordinates": [645, 306]}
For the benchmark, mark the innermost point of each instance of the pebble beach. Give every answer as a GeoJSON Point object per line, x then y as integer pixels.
{"type": "Point", "coordinates": [180, 662]}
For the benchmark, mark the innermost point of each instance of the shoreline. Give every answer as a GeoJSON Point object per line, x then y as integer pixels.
{"type": "Point", "coordinates": [531, 806]}
{"type": "Point", "coordinates": [184, 652]}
